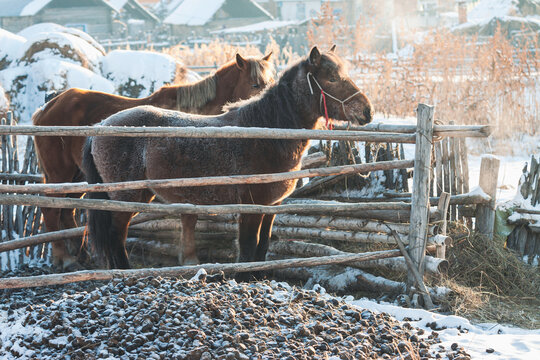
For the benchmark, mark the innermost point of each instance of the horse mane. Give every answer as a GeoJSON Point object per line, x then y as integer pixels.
{"type": "Point", "coordinates": [273, 108]}
{"type": "Point", "coordinates": [195, 96]}
{"type": "Point", "coordinates": [261, 70]}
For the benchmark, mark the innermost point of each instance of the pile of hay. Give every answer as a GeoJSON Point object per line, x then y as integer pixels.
{"type": "Point", "coordinates": [491, 283]}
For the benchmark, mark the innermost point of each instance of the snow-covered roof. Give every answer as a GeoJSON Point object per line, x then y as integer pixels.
{"type": "Point", "coordinates": [261, 26]}
{"type": "Point", "coordinates": [21, 7]}
{"type": "Point", "coordinates": [194, 12]}
{"type": "Point", "coordinates": [200, 12]}
{"type": "Point", "coordinates": [488, 9]}
{"type": "Point", "coordinates": [118, 5]}
{"type": "Point", "coordinates": [9, 8]}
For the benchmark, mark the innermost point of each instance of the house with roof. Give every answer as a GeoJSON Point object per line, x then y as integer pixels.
{"type": "Point", "coordinates": [96, 17]}
{"type": "Point", "coordinates": [203, 16]}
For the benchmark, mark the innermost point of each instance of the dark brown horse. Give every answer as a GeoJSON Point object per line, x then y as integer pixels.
{"type": "Point", "coordinates": [60, 157]}
{"type": "Point", "coordinates": [294, 102]}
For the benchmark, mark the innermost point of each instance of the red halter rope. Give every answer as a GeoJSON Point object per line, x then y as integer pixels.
{"type": "Point", "coordinates": [328, 120]}
{"type": "Point", "coordinates": [322, 101]}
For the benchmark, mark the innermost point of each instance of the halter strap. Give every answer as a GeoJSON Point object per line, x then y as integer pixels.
{"type": "Point", "coordinates": [324, 94]}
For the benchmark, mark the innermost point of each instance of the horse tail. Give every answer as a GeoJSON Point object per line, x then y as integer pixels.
{"type": "Point", "coordinates": [99, 222]}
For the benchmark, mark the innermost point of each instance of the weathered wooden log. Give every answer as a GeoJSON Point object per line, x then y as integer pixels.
{"type": "Point", "coordinates": [207, 249]}
{"type": "Point", "coordinates": [444, 202]}
{"type": "Point", "coordinates": [439, 167]}
{"type": "Point", "coordinates": [473, 197]}
{"type": "Point", "coordinates": [60, 235]}
{"type": "Point", "coordinates": [288, 220]}
{"type": "Point", "coordinates": [438, 130]}
{"type": "Point", "coordinates": [338, 278]}
{"type": "Point", "coordinates": [420, 204]}
{"type": "Point", "coordinates": [97, 275]}
{"type": "Point", "coordinates": [305, 233]}
{"type": "Point", "coordinates": [175, 209]}
{"type": "Point", "coordinates": [226, 132]}
{"type": "Point", "coordinates": [464, 164]}
{"type": "Point", "coordinates": [21, 177]}
{"type": "Point", "coordinates": [305, 249]}
{"type": "Point", "coordinates": [528, 211]}
{"type": "Point", "coordinates": [314, 160]}
{"type": "Point", "coordinates": [204, 181]}
{"type": "Point", "coordinates": [394, 216]}
{"type": "Point", "coordinates": [485, 213]}
{"type": "Point", "coordinates": [416, 272]}
{"type": "Point", "coordinates": [342, 223]}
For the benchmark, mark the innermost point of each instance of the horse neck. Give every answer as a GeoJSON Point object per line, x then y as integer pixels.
{"type": "Point", "coordinates": [193, 98]}
{"type": "Point", "coordinates": [280, 107]}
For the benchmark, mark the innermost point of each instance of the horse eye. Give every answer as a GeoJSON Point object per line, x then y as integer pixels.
{"type": "Point", "coordinates": [333, 79]}
{"type": "Point", "coordinates": [256, 86]}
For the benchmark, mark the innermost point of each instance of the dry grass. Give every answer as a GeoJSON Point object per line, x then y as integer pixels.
{"type": "Point", "coordinates": [491, 284]}
{"type": "Point", "coordinates": [218, 53]}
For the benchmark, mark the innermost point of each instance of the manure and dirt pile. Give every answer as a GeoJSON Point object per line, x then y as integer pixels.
{"type": "Point", "coordinates": [207, 317]}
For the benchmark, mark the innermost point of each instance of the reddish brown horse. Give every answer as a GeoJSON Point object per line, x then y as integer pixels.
{"type": "Point", "coordinates": [60, 157]}
{"type": "Point", "coordinates": [294, 102]}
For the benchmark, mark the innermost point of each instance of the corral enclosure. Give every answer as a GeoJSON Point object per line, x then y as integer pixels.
{"type": "Point", "coordinates": [471, 80]}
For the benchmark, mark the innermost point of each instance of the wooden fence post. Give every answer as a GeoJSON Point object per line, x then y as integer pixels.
{"type": "Point", "coordinates": [420, 196]}
{"type": "Point", "coordinates": [485, 213]}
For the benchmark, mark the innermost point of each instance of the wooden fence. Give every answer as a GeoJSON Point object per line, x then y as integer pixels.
{"type": "Point", "coordinates": [417, 210]}
{"type": "Point", "coordinates": [525, 237]}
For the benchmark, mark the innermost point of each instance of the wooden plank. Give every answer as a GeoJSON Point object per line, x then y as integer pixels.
{"type": "Point", "coordinates": [464, 160]}
{"type": "Point", "coordinates": [419, 204]}
{"type": "Point", "coordinates": [439, 167]}
{"type": "Point", "coordinates": [485, 213]}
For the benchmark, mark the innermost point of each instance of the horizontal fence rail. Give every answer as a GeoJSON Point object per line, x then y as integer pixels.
{"type": "Point", "coordinates": [370, 132]}
{"type": "Point", "coordinates": [225, 132]}
{"type": "Point", "coordinates": [204, 181]}
{"type": "Point", "coordinates": [172, 209]}
{"type": "Point", "coordinates": [438, 130]}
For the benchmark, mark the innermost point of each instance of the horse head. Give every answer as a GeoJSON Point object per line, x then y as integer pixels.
{"type": "Point", "coordinates": [249, 75]}
{"type": "Point", "coordinates": [337, 95]}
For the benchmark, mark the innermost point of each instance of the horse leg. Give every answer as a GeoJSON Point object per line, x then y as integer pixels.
{"type": "Point", "coordinates": [264, 237]}
{"type": "Point", "coordinates": [54, 219]}
{"type": "Point", "coordinates": [187, 254]}
{"type": "Point", "coordinates": [76, 246]}
{"type": "Point", "coordinates": [264, 240]}
{"type": "Point", "coordinates": [60, 254]}
{"type": "Point", "coordinates": [248, 239]}
{"type": "Point", "coordinates": [117, 256]}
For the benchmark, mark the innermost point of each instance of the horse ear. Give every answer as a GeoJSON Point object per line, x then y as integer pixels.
{"type": "Point", "coordinates": [332, 49]}
{"type": "Point", "coordinates": [267, 56]}
{"type": "Point", "coordinates": [314, 56]}
{"type": "Point", "coordinates": [241, 62]}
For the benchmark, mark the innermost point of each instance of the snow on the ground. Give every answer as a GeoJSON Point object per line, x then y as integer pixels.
{"type": "Point", "coordinates": [126, 68]}
{"type": "Point", "coordinates": [507, 342]}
